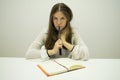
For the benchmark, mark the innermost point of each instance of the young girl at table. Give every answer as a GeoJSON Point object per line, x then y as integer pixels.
{"type": "Point", "coordinates": [61, 40]}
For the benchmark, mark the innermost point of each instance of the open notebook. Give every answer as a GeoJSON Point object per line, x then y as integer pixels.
{"type": "Point", "coordinates": [60, 65]}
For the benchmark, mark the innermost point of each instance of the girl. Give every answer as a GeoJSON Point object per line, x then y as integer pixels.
{"type": "Point", "coordinates": [61, 40]}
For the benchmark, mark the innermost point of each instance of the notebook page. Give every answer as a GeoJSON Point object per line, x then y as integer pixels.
{"type": "Point", "coordinates": [52, 67]}
{"type": "Point", "coordinates": [68, 62]}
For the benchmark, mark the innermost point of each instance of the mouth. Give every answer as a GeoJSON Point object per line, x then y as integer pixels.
{"type": "Point", "coordinates": [59, 28]}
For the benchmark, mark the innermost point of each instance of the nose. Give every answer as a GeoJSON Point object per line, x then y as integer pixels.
{"type": "Point", "coordinates": [59, 22]}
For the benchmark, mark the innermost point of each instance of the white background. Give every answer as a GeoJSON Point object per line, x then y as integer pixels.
{"type": "Point", "coordinates": [97, 20]}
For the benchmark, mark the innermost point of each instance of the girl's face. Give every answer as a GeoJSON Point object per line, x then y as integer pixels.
{"type": "Point", "coordinates": [59, 20]}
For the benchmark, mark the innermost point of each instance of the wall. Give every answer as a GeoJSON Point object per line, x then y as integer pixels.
{"type": "Point", "coordinates": [97, 20]}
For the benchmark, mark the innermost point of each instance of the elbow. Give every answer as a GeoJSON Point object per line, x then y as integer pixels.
{"type": "Point", "coordinates": [82, 53]}
{"type": "Point", "coordinates": [27, 55]}
{"type": "Point", "coordinates": [85, 54]}
{"type": "Point", "coordinates": [32, 54]}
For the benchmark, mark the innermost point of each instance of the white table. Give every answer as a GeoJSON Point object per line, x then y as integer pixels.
{"type": "Point", "coordinates": [96, 69]}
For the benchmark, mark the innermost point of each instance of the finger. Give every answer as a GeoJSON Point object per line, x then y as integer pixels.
{"type": "Point", "coordinates": [59, 46]}
{"type": "Point", "coordinates": [59, 43]}
{"type": "Point", "coordinates": [59, 39]}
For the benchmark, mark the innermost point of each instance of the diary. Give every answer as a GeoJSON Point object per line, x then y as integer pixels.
{"type": "Point", "coordinates": [58, 66]}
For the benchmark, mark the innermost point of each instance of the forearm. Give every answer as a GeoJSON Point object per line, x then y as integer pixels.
{"type": "Point", "coordinates": [51, 52]}
{"type": "Point", "coordinates": [80, 52]}
{"type": "Point", "coordinates": [68, 45]}
{"type": "Point", "coordinates": [32, 53]}
{"type": "Point", "coordinates": [37, 53]}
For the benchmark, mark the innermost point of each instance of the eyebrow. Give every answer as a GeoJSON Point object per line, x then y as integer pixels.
{"type": "Point", "coordinates": [57, 17]}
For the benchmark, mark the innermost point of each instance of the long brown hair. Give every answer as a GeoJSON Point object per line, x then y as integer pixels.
{"type": "Point", "coordinates": [52, 32]}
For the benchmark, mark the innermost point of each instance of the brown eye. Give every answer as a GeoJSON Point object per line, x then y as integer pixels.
{"type": "Point", "coordinates": [54, 18]}
{"type": "Point", "coordinates": [62, 18]}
